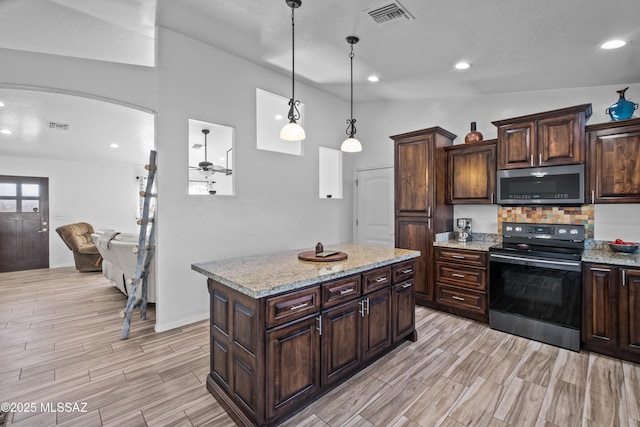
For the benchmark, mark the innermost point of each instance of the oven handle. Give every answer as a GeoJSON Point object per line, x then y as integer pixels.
{"type": "Point", "coordinates": [537, 262]}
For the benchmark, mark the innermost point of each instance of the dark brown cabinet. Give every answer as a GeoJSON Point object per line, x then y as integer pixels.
{"type": "Point", "coordinates": [273, 355]}
{"type": "Point", "coordinates": [613, 162]}
{"type": "Point", "coordinates": [544, 139]}
{"type": "Point", "coordinates": [611, 311]}
{"type": "Point", "coordinates": [461, 282]}
{"type": "Point", "coordinates": [420, 206]}
{"type": "Point", "coordinates": [471, 173]}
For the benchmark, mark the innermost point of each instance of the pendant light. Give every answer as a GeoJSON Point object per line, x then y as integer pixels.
{"type": "Point", "coordinates": [292, 131]}
{"type": "Point", "coordinates": [351, 144]}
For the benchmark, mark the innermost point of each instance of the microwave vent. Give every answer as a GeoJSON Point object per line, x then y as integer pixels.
{"type": "Point", "coordinates": [389, 12]}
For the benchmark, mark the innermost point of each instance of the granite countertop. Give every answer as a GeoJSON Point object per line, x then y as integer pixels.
{"type": "Point", "coordinates": [269, 274]}
{"type": "Point", "coordinates": [479, 241]}
{"type": "Point", "coordinates": [600, 252]}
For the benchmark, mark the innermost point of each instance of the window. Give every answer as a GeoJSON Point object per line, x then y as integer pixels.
{"type": "Point", "coordinates": [330, 173]}
{"type": "Point", "coordinates": [271, 116]}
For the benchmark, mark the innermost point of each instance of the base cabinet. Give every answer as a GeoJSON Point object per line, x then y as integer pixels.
{"type": "Point", "coordinates": [611, 311]}
{"type": "Point", "coordinates": [270, 357]}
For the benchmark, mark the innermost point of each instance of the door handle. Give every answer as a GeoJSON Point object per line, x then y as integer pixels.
{"type": "Point", "coordinates": [44, 230]}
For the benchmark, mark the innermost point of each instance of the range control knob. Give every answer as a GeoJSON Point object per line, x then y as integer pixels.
{"type": "Point", "coordinates": [518, 229]}
{"type": "Point", "coordinates": [573, 231]}
{"type": "Point", "coordinates": [508, 228]}
{"type": "Point", "coordinates": [562, 231]}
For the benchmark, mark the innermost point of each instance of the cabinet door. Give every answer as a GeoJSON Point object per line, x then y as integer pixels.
{"type": "Point", "coordinates": [614, 165]}
{"type": "Point", "coordinates": [403, 310]}
{"type": "Point", "coordinates": [412, 176]}
{"type": "Point", "coordinates": [376, 326]}
{"type": "Point", "coordinates": [293, 365]}
{"type": "Point", "coordinates": [630, 312]}
{"type": "Point", "coordinates": [517, 145]}
{"type": "Point", "coordinates": [600, 307]}
{"type": "Point", "coordinates": [416, 234]}
{"type": "Point", "coordinates": [560, 140]}
{"type": "Point", "coordinates": [341, 339]}
{"type": "Point", "coordinates": [471, 174]}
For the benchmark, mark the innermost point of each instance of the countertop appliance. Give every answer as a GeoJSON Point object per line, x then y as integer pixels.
{"type": "Point", "coordinates": [536, 282]}
{"type": "Point", "coordinates": [463, 232]}
{"type": "Point", "coordinates": [551, 185]}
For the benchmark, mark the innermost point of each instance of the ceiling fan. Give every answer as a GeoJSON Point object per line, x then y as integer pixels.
{"type": "Point", "coordinates": [206, 168]}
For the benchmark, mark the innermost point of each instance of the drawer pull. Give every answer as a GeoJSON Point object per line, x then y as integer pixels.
{"type": "Point", "coordinates": [407, 271]}
{"type": "Point", "coordinates": [458, 275]}
{"type": "Point", "coordinates": [346, 291]}
{"type": "Point", "coordinates": [381, 279]}
{"type": "Point", "coordinates": [299, 306]}
{"type": "Point", "coordinates": [457, 298]}
{"type": "Point", "coordinates": [407, 285]}
{"type": "Point", "coordinates": [457, 256]}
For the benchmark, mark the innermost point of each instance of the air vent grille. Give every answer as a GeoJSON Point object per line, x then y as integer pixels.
{"type": "Point", "coordinates": [58, 126]}
{"type": "Point", "coordinates": [389, 12]}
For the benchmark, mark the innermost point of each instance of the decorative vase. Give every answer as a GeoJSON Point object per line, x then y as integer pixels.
{"type": "Point", "coordinates": [474, 135]}
{"type": "Point", "coordinates": [622, 109]}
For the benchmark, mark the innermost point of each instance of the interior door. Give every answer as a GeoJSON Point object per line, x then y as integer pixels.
{"type": "Point", "coordinates": [374, 209]}
{"type": "Point", "coordinates": [24, 223]}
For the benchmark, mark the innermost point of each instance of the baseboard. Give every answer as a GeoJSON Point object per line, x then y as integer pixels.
{"type": "Point", "coordinates": [162, 327]}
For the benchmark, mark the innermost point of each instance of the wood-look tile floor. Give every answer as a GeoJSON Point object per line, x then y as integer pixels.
{"type": "Point", "coordinates": [60, 343]}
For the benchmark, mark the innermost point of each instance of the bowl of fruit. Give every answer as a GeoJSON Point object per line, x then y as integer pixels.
{"type": "Point", "coordinates": [621, 246]}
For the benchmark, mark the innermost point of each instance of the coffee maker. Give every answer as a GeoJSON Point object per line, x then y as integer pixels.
{"type": "Point", "coordinates": [463, 232]}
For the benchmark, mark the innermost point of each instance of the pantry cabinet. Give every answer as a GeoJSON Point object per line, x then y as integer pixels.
{"type": "Point", "coordinates": [550, 138]}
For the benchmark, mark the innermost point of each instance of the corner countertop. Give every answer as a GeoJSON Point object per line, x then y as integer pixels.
{"type": "Point", "coordinates": [269, 274]}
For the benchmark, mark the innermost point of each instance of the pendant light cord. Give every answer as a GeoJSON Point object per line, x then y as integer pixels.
{"type": "Point", "coordinates": [293, 56]}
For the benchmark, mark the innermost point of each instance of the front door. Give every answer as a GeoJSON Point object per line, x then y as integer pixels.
{"type": "Point", "coordinates": [374, 207]}
{"type": "Point", "coordinates": [24, 223]}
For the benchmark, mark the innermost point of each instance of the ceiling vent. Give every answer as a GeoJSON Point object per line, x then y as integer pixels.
{"type": "Point", "coordinates": [389, 12]}
{"type": "Point", "coordinates": [58, 126]}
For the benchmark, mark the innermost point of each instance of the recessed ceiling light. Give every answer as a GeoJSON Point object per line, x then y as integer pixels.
{"type": "Point", "coordinates": [278, 117]}
{"type": "Point", "coordinates": [114, 145]}
{"type": "Point", "coordinates": [6, 131]}
{"type": "Point", "coordinates": [373, 79]}
{"type": "Point", "coordinates": [1, 104]}
{"type": "Point", "coordinates": [462, 65]}
{"type": "Point", "coordinates": [613, 44]}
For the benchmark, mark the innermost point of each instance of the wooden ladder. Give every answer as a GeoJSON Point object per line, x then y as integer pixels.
{"type": "Point", "coordinates": [145, 251]}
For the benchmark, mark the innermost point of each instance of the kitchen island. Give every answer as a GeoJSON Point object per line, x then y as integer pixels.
{"type": "Point", "coordinates": [285, 331]}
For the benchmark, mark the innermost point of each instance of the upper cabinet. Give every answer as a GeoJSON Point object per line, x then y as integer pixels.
{"type": "Point", "coordinates": [544, 139]}
{"type": "Point", "coordinates": [613, 162]}
{"type": "Point", "coordinates": [471, 173]}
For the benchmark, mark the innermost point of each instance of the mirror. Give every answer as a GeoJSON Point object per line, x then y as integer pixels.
{"type": "Point", "coordinates": [330, 173]}
{"type": "Point", "coordinates": [211, 158]}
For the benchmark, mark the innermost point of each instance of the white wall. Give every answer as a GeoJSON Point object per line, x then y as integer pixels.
{"type": "Point", "coordinates": [276, 204]}
{"type": "Point", "coordinates": [104, 195]}
{"type": "Point", "coordinates": [379, 120]}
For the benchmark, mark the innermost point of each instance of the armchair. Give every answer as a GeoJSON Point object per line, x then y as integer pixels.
{"type": "Point", "coordinates": [77, 237]}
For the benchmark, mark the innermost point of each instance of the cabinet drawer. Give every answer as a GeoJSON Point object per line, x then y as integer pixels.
{"type": "Point", "coordinates": [403, 271]}
{"type": "Point", "coordinates": [454, 297]}
{"type": "Point", "coordinates": [291, 306]}
{"type": "Point", "coordinates": [467, 277]}
{"type": "Point", "coordinates": [476, 258]}
{"type": "Point", "coordinates": [339, 291]}
{"type": "Point", "coordinates": [376, 279]}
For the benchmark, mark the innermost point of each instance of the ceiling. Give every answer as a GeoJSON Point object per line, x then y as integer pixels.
{"type": "Point", "coordinates": [511, 45]}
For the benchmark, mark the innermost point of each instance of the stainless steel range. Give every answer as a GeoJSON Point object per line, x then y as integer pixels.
{"type": "Point", "coordinates": [536, 282]}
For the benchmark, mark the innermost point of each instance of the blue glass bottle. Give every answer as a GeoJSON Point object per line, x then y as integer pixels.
{"type": "Point", "coordinates": [622, 109]}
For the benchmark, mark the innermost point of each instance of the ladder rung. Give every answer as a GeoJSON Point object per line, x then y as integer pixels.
{"type": "Point", "coordinates": [144, 194]}
{"type": "Point", "coordinates": [149, 167]}
{"type": "Point", "coordinates": [146, 221]}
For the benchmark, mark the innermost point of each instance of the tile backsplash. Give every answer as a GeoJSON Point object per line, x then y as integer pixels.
{"type": "Point", "coordinates": [549, 215]}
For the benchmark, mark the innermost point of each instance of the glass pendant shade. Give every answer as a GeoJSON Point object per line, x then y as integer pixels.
{"type": "Point", "coordinates": [292, 131]}
{"type": "Point", "coordinates": [351, 145]}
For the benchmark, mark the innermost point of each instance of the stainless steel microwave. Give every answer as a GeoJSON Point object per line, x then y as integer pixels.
{"type": "Point", "coordinates": [551, 185]}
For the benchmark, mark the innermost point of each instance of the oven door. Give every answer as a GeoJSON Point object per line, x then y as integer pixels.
{"type": "Point", "coordinates": [536, 298]}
